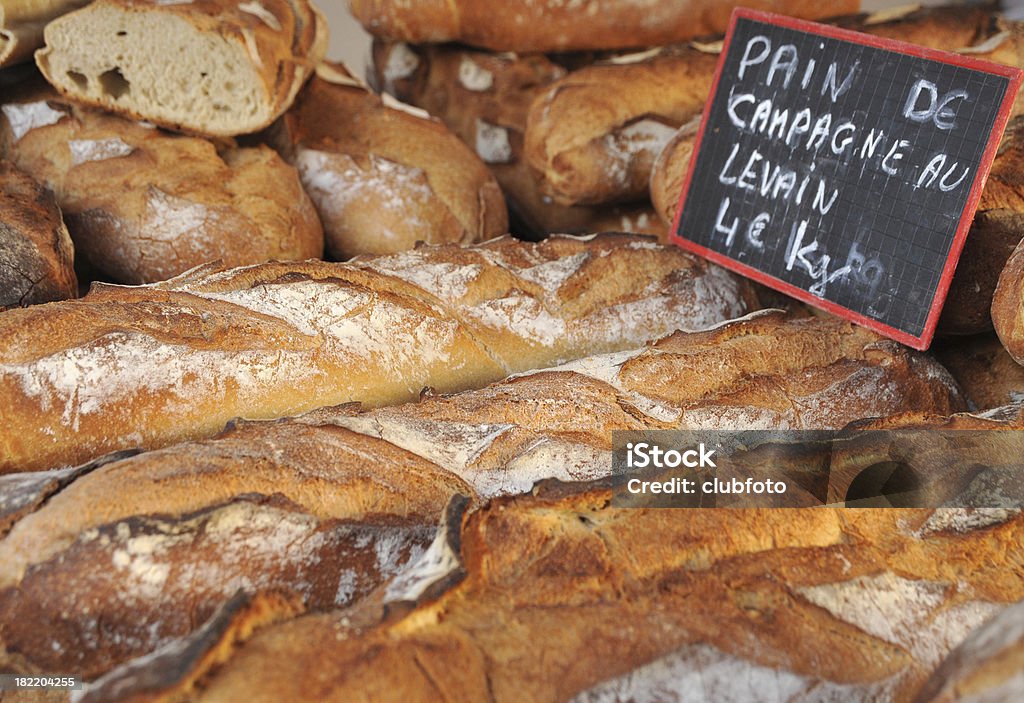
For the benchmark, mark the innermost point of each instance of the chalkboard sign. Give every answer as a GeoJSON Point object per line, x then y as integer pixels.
{"type": "Point", "coordinates": [843, 169]}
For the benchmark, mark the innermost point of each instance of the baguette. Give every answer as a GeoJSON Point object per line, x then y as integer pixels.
{"type": "Point", "coordinates": [36, 253]}
{"type": "Point", "coordinates": [553, 25]}
{"type": "Point", "coordinates": [987, 666]}
{"type": "Point", "coordinates": [21, 26]}
{"type": "Point", "coordinates": [150, 366]}
{"type": "Point", "coordinates": [592, 136]}
{"type": "Point", "coordinates": [236, 66]}
{"type": "Point", "coordinates": [499, 440]}
{"type": "Point", "coordinates": [144, 205]}
{"type": "Point", "coordinates": [146, 545]}
{"type": "Point", "coordinates": [383, 179]}
{"type": "Point", "coordinates": [484, 98]}
{"type": "Point", "coordinates": [560, 597]}
{"type": "Point", "coordinates": [1008, 305]}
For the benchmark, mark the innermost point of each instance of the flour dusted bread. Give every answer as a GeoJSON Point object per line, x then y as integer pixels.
{"type": "Point", "coordinates": [143, 204]}
{"type": "Point", "coordinates": [154, 365]}
{"type": "Point", "coordinates": [22, 23]}
{"type": "Point", "coordinates": [592, 136]}
{"type": "Point", "coordinates": [213, 67]}
{"type": "Point", "coordinates": [383, 179]}
{"type": "Point", "coordinates": [36, 253]}
{"type": "Point", "coordinates": [555, 25]}
{"type": "Point", "coordinates": [988, 375]}
{"type": "Point", "coordinates": [558, 597]}
{"type": "Point", "coordinates": [484, 99]}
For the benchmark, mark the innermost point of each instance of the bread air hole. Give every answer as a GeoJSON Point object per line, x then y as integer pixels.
{"type": "Point", "coordinates": [78, 79]}
{"type": "Point", "coordinates": [887, 484]}
{"type": "Point", "coordinates": [114, 83]}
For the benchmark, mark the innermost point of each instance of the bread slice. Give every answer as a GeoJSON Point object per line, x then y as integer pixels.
{"type": "Point", "coordinates": [213, 67]}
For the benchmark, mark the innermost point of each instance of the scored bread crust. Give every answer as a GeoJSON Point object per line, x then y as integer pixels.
{"type": "Point", "coordinates": [1008, 305]}
{"type": "Point", "coordinates": [36, 253]}
{"type": "Point", "coordinates": [237, 65]}
{"type": "Point", "coordinates": [592, 136]}
{"type": "Point", "coordinates": [557, 25]}
{"type": "Point", "coordinates": [153, 365]}
{"type": "Point", "coordinates": [986, 373]}
{"type": "Point", "coordinates": [143, 204]}
{"type": "Point", "coordinates": [383, 179]}
{"type": "Point", "coordinates": [563, 597]}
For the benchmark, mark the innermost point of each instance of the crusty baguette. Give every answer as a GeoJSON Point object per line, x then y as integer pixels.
{"type": "Point", "coordinates": [154, 365]}
{"type": "Point", "coordinates": [1008, 305]}
{"type": "Point", "coordinates": [483, 98]}
{"type": "Point", "coordinates": [22, 23]}
{"type": "Point", "coordinates": [555, 25]}
{"type": "Point", "coordinates": [988, 376]}
{"type": "Point", "coordinates": [501, 439]}
{"type": "Point", "coordinates": [144, 205]}
{"type": "Point", "coordinates": [265, 506]}
{"type": "Point", "coordinates": [559, 595]}
{"type": "Point", "coordinates": [592, 136]}
{"type": "Point", "coordinates": [383, 179]}
{"type": "Point", "coordinates": [988, 666]}
{"type": "Point", "coordinates": [36, 253]}
{"type": "Point", "coordinates": [212, 67]}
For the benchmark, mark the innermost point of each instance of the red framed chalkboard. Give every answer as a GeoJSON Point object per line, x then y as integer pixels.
{"type": "Point", "coordinates": [843, 169]}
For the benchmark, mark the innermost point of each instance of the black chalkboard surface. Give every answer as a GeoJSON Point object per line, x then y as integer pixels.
{"type": "Point", "coordinates": [843, 169]}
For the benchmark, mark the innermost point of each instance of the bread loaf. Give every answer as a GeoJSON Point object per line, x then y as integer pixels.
{"type": "Point", "coordinates": [554, 25]}
{"type": "Point", "coordinates": [36, 253]}
{"type": "Point", "coordinates": [1008, 305]}
{"type": "Point", "coordinates": [149, 366]}
{"type": "Point", "coordinates": [145, 547]}
{"type": "Point", "coordinates": [383, 179]}
{"type": "Point", "coordinates": [988, 375]}
{"type": "Point", "coordinates": [560, 597]}
{"type": "Point", "coordinates": [592, 136]}
{"type": "Point", "coordinates": [21, 26]}
{"type": "Point", "coordinates": [483, 98]}
{"type": "Point", "coordinates": [145, 205]}
{"type": "Point", "coordinates": [987, 666]}
{"type": "Point", "coordinates": [212, 67]}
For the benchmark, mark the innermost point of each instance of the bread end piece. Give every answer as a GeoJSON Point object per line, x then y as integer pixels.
{"type": "Point", "coordinates": [233, 68]}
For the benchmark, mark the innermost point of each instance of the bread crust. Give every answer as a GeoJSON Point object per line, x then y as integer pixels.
{"type": "Point", "coordinates": [382, 178]}
{"type": "Point", "coordinates": [36, 253]}
{"type": "Point", "coordinates": [1008, 305]}
{"type": "Point", "coordinates": [155, 365]}
{"type": "Point", "coordinates": [592, 136]}
{"type": "Point", "coordinates": [22, 23]}
{"type": "Point", "coordinates": [988, 375]}
{"type": "Point", "coordinates": [278, 43]}
{"type": "Point", "coordinates": [145, 205]}
{"type": "Point", "coordinates": [553, 25]}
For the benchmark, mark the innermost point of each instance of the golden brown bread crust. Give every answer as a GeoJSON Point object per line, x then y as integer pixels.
{"type": "Point", "coordinates": [144, 205]}
{"type": "Point", "coordinates": [383, 179]}
{"type": "Point", "coordinates": [988, 375]}
{"type": "Point", "coordinates": [588, 147]}
{"type": "Point", "coordinates": [562, 594]}
{"type": "Point", "coordinates": [154, 365]}
{"type": "Point", "coordinates": [484, 99]}
{"type": "Point", "coordinates": [283, 39]}
{"type": "Point", "coordinates": [36, 253]}
{"type": "Point", "coordinates": [22, 23]}
{"type": "Point", "coordinates": [553, 25]}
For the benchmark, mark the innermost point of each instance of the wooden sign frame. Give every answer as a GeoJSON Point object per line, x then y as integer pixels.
{"type": "Point", "coordinates": [1014, 76]}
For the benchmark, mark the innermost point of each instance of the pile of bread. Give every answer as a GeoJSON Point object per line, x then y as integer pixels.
{"type": "Point", "coordinates": [316, 432]}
